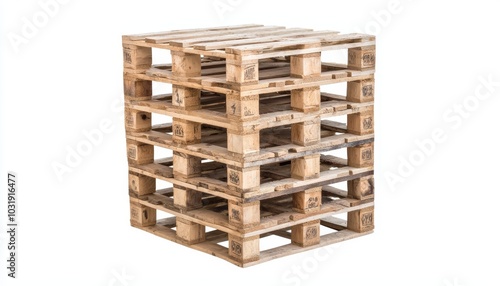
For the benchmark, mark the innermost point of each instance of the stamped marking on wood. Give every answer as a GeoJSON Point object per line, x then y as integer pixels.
{"type": "Point", "coordinates": [249, 73]}
{"type": "Point", "coordinates": [368, 90]}
{"type": "Point", "coordinates": [367, 219]}
{"type": "Point", "coordinates": [312, 232]}
{"type": "Point", "coordinates": [371, 186]}
{"type": "Point", "coordinates": [178, 130]}
{"type": "Point", "coordinates": [366, 187]}
{"type": "Point", "coordinates": [129, 119]}
{"type": "Point", "coordinates": [133, 185]}
{"type": "Point", "coordinates": [366, 154]}
{"type": "Point", "coordinates": [368, 123]}
{"type": "Point", "coordinates": [234, 177]}
{"type": "Point", "coordinates": [369, 59]}
{"type": "Point", "coordinates": [313, 202]}
{"type": "Point", "coordinates": [178, 98]}
{"type": "Point", "coordinates": [127, 56]}
{"type": "Point", "coordinates": [236, 248]}
{"type": "Point", "coordinates": [235, 215]}
{"type": "Point", "coordinates": [352, 57]}
{"type": "Point", "coordinates": [134, 213]}
{"type": "Point", "coordinates": [248, 112]}
{"type": "Point", "coordinates": [132, 153]}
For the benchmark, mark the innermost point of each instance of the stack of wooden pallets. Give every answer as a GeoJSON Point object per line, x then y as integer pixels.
{"type": "Point", "coordinates": [251, 133]}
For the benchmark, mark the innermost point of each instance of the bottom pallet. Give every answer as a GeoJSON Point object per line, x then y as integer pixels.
{"type": "Point", "coordinates": [164, 229]}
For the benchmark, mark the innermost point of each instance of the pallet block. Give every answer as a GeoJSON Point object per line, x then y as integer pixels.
{"type": "Point", "coordinates": [250, 126]}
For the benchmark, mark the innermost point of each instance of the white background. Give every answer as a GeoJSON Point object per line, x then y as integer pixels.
{"type": "Point", "coordinates": [437, 225]}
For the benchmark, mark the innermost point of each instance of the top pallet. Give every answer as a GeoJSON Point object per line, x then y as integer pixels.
{"type": "Point", "coordinates": [238, 49]}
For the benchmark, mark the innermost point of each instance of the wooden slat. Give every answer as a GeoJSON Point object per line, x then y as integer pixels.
{"type": "Point", "coordinates": [290, 51]}
{"type": "Point", "coordinates": [140, 37]}
{"type": "Point", "coordinates": [333, 39]}
{"type": "Point", "coordinates": [204, 34]}
{"type": "Point", "coordinates": [334, 126]}
{"type": "Point", "coordinates": [249, 34]}
{"type": "Point", "coordinates": [335, 191]}
{"type": "Point", "coordinates": [334, 161]}
{"type": "Point", "coordinates": [288, 33]}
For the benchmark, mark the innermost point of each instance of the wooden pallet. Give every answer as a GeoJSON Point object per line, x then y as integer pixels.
{"type": "Point", "coordinates": [250, 133]}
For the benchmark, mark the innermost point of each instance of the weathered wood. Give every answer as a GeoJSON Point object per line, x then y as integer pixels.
{"type": "Point", "coordinates": [361, 123]}
{"type": "Point", "coordinates": [247, 136]}
{"type": "Point", "coordinates": [141, 215]}
{"type": "Point", "coordinates": [361, 220]}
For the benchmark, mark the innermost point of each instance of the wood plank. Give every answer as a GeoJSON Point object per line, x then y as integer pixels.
{"type": "Point", "coordinates": [331, 39]}
{"type": "Point", "coordinates": [252, 55]}
{"type": "Point", "coordinates": [288, 33]}
{"type": "Point", "coordinates": [334, 126]}
{"type": "Point", "coordinates": [139, 37]}
{"type": "Point", "coordinates": [248, 35]}
{"type": "Point", "coordinates": [204, 34]}
{"type": "Point", "coordinates": [333, 161]}
{"type": "Point", "coordinates": [334, 223]}
{"type": "Point", "coordinates": [336, 192]}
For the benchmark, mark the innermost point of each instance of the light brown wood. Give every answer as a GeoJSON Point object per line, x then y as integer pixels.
{"type": "Point", "coordinates": [244, 215]}
{"type": "Point", "coordinates": [137, 88]}
{"type": "Point", "coordinates": [361, 90]}
{"type": "Point", "coordinates": [245, 108]}
{"type": "Point", "coordinates": [306, 167]}
{"type": "Point", "coordinates": [243, 179]}
{"type": "Point", "coordinates": [307, 133]}
{"type": "Point", "coordinates": [361, 58]}
{"type": "Point", "coordinates": [211, 247]}
{"type": "Point", "coordinates": [361, 123]}
{"type": "Point", "coordinates": [306, 65]}
{"type": "Point", "coordinates": [136, 57]}
{"type": "Point", "coordinates": [142, 215]}
{"type": "Point", "coordinates": [186, 65]}
{"type": "Point", "coordinates": [186, 166]}
{"type": "Point", "coordinates": [306, 99]}
{"type": "Point", "coordinates": [137, 121]}
{"type": "Point", "coordinates": [141, 185]}
{"type": "Point", "coordinates": [249, 99]}
{"type": "Point", "coordinates": [242, 72]}
{"type": "Point", "coordinates": [185, 131]}
{"type": "Point", "coordinates": [360, 156]}
{"type": "Point", "coordinates": [306, 234]}
{"type": "Point", "coordinates": [190, 232]}
{"type": "Point", "coordinates": [243, 144]}
{"type": "Point", "coordinates": [307, 201]}
{"type": "Point", "coordinates": [361, 220]}
{"type": "Point", "coordinates": [139, 153]}
{"type": "Point", "coordinates": [244, 249]}
{"type": "Point", "coordinates": [186, 98]}
{"type": "Point", "coordinates": [362, 189]}
{"type": "Point", "coordinates": [140, 37]}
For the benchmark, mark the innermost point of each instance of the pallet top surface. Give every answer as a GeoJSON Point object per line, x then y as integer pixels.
{"type": "Point", "coordinates": [246, 39]}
